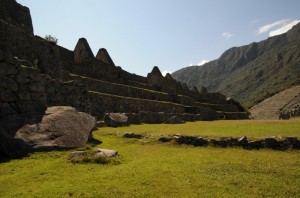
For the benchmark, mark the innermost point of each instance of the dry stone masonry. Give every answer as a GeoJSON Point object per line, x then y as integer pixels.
{"type": "Point", "coordinates": [92, 84]}
{"type": "Point", "coordinates": [36, 74]}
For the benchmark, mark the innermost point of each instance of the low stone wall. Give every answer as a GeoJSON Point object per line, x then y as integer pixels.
{"type": "Point", "coordinates": [21, 87]}
{"type": "Point", "coordinates": [104, 103]}
{"type": "Point", "coordinates": [220, 107]}
{"type": "Point", "coordinates": [205, 113]}
{"type": "Point", "coordinates": [161, 117]}
{"type": "Point", "coordinates": [265, 143]}
{"type": "Point", "coordinates": [236, 115]}
{"type": "Point", "coordinates": [213, 98]}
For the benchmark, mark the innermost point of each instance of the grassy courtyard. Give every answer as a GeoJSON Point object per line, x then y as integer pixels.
{"type": "Point", "coordinates": [147, 168]}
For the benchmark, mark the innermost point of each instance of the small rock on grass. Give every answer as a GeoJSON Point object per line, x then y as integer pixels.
{"type": "Point", "coordinates": [133, 135]}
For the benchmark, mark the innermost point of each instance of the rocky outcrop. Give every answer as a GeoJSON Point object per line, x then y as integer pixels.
{"type": "Point", "coordinates": [60, 127]}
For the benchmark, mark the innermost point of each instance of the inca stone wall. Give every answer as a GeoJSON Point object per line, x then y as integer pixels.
{"type": "Point", "coordinates": [69, 93]}
{"type": "Point", "coordinates": [104, 103]}
{"type": "Point", "coordinates": [21, 87]}
{"type": "Point", "coordinates": [17, 15]}
{"type": "Point", "coordinates": [88, 83]}
{"type": "Point", "coordinates": [31, 48]}
{"type": "Point", "coordinates": [129, 91]}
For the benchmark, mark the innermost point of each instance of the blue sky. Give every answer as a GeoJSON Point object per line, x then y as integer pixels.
{"type": "Point", "coordinates": [170, 34]}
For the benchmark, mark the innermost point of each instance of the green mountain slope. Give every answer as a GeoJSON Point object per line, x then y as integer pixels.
{"type": "Point", "coordinates": [250, 73]}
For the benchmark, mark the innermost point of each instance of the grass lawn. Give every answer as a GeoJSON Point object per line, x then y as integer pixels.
{"type": "Point", "coordinates": [151, 169]}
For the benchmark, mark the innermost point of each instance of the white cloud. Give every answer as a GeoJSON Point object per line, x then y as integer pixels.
{"type": "Point", "coordinates": [203, 62]}
{"type": "Point", "coordinates": [199, 64]}
{"type": "Point", "coordinates": [268, 27]}
{"type": "Point", "coordinates": [278, 27]}
{"type": "Point", "coordinates": [164, 73]}
{"type": "Point", "coordinates": [284, 28]}
{"type": "Point", "coordinates": [227, 35]}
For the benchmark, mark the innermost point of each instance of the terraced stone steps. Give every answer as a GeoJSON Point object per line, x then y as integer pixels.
{"type": "Point", "coordinates": [104, 103]}
{"type": "Point", "coordinates": [102, 86]}
{"type": "Point", "coordinates": [283, 102]}
{"type": "Point", "coordinates": [114, 97]}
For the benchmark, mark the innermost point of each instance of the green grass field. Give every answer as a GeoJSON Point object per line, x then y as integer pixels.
{"type": "Point", "coordinates": [148, 168]}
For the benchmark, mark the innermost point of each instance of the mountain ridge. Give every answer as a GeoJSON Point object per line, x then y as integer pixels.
{"type": "Point", "coordinates": [250, 73]}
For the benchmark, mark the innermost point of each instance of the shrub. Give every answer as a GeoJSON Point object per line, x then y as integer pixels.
{"type": "Point", "coordinates": [51, 38]}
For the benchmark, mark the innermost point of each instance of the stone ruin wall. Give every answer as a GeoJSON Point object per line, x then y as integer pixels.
{"type": "Point", "coordinates": [129, 91]}
{"type": "Point", "coordinates": [104, 103]}
{"type": "Point", "coordinates": [17, 15]}
{"type": "Point", "coordinates": [21, 87]}
{"type": "Point", "coordinates": [24, 90]}
{"type": "Point", "coordinates": [31, 48]}
{"type": "Point", "coordinates": [57, 88]}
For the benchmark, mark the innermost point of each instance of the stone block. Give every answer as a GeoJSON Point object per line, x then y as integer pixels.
{"type": "Point", "coordinates": [36, 87]}
{"type": "Point", "coordinates": [7, 109]}
{"type": "Point", "coordinates": [23, 87]}
{"type": "Point", "coordinates": [2, 56]}
{"type": "Point", "coordinates": [22, 79]}
{"type": "Point", "coordinates": [50, 89]}
{"type": "Point", "coordinates": [42, 97]}
{"type": "Point", "coordinates": [6, 69]}
{"type": "Point", "coordinates": [7, 96]}
{"type": "Point", "coordinates": [8, 83]}
{"type": "Point", "coordinates": [32, 107]}
{"type": "Point", "coordinates": [35, 75]}
{"type": "Point", "coordinates": [24, 71]}
{"type": "Point", "coordinates": [12, 60]}
{"type": "Point", "coordinates": [23, 95]}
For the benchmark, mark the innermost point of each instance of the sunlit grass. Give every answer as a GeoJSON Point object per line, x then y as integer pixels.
{"type": "Point", "coordinates": [153, 169]}
{"type": "Point", "coordinates": [223, 128]}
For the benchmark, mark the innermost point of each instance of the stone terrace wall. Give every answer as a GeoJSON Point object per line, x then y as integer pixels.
{"type": "Point", "coordinates": [22, 89]}
{"type": "Point", "coordinates": [17, 15]}
{"type": "Point", "coordinates": [104, 103]}
{"type": "Point", "coordinates": [65, 55]}
{"type": "Point", "coordinates": [27, 47]}
{"type": "Point", "coordinates": [96, 70]}
{"type": "Point", "coordinates": [100, 70]}
{"type": "Point", "coordinates": [128, 91]}
{"type": "Point", "coordinates": [213, 98]}
{"type": "Point", "coordinates": [69, 93]}
{"type": "Point", "coordinates": [220, 107]}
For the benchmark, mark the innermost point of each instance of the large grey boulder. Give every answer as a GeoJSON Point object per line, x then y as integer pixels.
{"type": "Point", "coordinates": [174, 120]}
{"type": "Point", "coordinates": [116, 119]}
{"type": "Point", "coordinates": [60, 127]}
